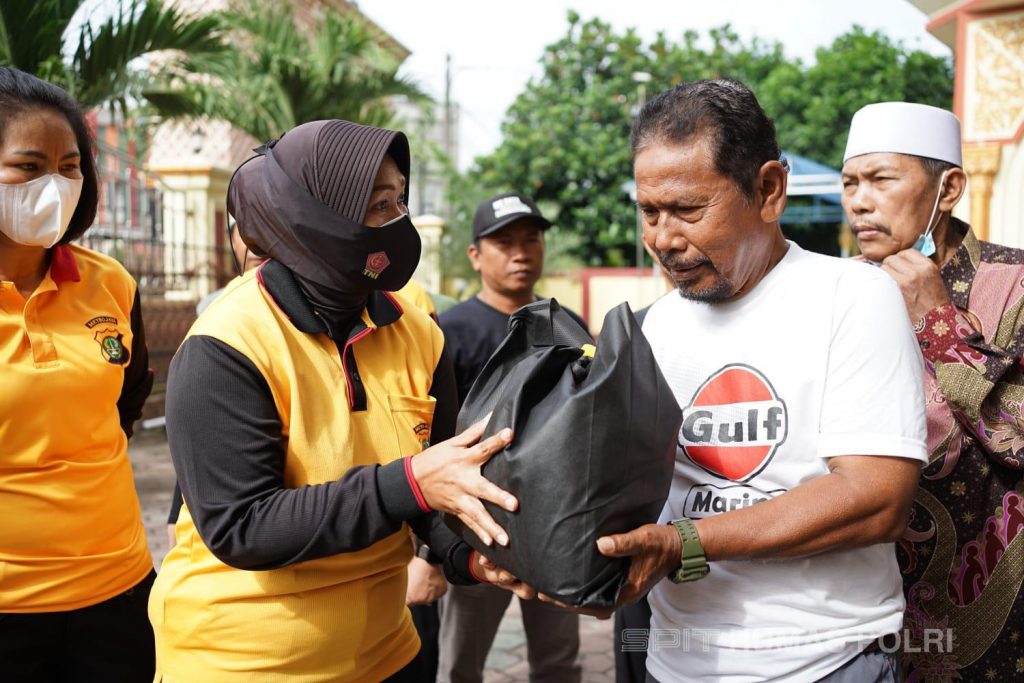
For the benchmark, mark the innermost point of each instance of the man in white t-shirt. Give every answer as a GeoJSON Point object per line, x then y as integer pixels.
{"type": "Point", "coordinates": [804, 428]}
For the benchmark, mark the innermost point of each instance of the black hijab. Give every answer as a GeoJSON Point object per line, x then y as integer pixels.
{"type": "Point", "coordinates": [302, 201]}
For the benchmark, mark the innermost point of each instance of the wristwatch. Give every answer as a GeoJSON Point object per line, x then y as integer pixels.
{"type": "Point", "coordinates": [423, 552]}
{"type": "Point", "coordinates": [693, 564]}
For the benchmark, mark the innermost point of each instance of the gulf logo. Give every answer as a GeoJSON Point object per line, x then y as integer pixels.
{"type": "Point", "coordinates": [734, 424]}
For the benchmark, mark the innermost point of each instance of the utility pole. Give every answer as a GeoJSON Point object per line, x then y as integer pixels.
{"type": "Point", "coordinates": [447, 138]}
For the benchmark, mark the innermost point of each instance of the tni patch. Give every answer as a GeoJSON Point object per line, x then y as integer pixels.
{"type": "Point", "coordinates": [376, 263]}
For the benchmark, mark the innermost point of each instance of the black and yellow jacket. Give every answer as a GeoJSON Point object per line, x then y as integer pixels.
{"type": "Point", "coordinates": [291, 442]}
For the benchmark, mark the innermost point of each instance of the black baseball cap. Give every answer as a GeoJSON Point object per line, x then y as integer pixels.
{"type": "Point", "coordinates": [498, 211]}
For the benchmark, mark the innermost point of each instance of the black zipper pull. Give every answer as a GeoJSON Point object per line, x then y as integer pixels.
{"type": "Point", "coordinates": [327, 325]}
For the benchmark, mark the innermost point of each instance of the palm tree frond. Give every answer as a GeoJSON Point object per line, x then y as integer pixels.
{"type": "Point", "coordinates": [103, 57]}
{"type": "Point", "coordinates": [169, 102]}
{"type": "Point", "coordinates": [32, 33]}
{"type": "Point", "coordinates": [280, 74]}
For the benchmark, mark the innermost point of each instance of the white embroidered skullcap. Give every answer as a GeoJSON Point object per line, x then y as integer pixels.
{"type": "Point", "coordinates": [905, 128]}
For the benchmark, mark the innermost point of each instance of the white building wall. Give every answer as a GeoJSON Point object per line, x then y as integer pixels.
{"type": "Point", "coordinates": [1007, 217]}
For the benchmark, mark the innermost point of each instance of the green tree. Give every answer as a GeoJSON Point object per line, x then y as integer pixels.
{"type": "Point", "coordinates": [103, 63]}
{"type": "Point", "coordinates": [813, 106]}
{"type": "Point", "coordinates": [280, 75]}
{"type": "Point", "coordinates": [565, 138]}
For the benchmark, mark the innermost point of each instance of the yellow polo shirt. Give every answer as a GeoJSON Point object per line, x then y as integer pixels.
{"type": "Point", "coordinates": [71, 531]}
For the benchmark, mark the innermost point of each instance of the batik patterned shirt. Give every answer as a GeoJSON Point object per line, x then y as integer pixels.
{"type": "Point", "coordinates": [962, 557]}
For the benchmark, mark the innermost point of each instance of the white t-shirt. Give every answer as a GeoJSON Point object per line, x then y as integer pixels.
{"type": "Point", "coordinates": [818, 361]}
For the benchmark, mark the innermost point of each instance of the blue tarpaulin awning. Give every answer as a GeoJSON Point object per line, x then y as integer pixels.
{"type": "Point", "coordinates": [808, 178]}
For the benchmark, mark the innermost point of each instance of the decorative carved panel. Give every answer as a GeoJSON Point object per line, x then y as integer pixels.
{"type": "Point", "coordinates": [993, 104]}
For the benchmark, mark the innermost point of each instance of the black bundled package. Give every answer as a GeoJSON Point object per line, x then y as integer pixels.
{"type": "Point", "coordinates": [593, 450]}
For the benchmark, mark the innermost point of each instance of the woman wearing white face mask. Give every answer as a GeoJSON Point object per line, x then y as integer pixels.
{"type": "Point", "coordinates": [75, 571]}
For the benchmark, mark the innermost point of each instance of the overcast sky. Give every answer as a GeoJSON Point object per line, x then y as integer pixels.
{"type": "Point", "coordinates": [495, 46]}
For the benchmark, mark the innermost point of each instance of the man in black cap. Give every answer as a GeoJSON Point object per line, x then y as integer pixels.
{"type": "Point", "coordinates": [508, 252]}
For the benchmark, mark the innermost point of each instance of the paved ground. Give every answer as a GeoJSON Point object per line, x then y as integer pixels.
{"type": "Point", "coordinates": [154, 479]}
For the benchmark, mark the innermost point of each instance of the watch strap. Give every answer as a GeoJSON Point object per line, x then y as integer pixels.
{"type": "Point", "coordinates": [424, 553]}
{"type": "Point", "coordinates": [693, 563]}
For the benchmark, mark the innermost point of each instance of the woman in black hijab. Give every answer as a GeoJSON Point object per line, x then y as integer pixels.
{"type": "Point", "coordinates": [293, 409]}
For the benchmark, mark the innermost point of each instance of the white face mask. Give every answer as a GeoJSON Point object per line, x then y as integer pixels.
{"type": "Point", "coordinates": [37, 213]}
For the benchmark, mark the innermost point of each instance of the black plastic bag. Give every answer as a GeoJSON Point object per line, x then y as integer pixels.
{"type": "Point", "coordinates": [593, 451]}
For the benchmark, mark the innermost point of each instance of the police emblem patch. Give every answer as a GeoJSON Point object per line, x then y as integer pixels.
{"type": "Point", "coordinates": [422, 431]}
{"type": "Point", "coordinates": [112, 345]}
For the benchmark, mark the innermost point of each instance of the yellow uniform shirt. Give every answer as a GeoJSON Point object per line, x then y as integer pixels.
{"type": "Point", "coordinates": [414, 293]}
{"type": "Point", "coordinates": [338, 618]}
{"type": "Point", "coordinates": [71, 531]}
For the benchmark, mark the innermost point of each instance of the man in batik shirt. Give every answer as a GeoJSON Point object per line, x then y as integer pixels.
{"type": "Point", "coordinates": [962, 557]}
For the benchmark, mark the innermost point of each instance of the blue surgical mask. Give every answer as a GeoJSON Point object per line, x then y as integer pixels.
{"type": "Point", "coordinates": [926, 243]}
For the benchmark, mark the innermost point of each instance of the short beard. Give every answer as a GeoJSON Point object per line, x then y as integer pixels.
{"type": "Point", "coordinates": [718, 292]}
{"type": "Point", "coordinates": [721, 291]}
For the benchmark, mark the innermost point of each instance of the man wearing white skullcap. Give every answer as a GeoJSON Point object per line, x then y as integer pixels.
{"type": "Point", "coordinates": [962, 556]}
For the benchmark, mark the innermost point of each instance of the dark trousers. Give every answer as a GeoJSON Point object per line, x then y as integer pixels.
{"type": "Point", "coordinates": [110, 642]}
{"type": "Point", "coordinates": [410, 673]}
{"type": "Point", "coordinates": [630, 658]}
{"type": "Point", "coordinates": [428, 625]}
